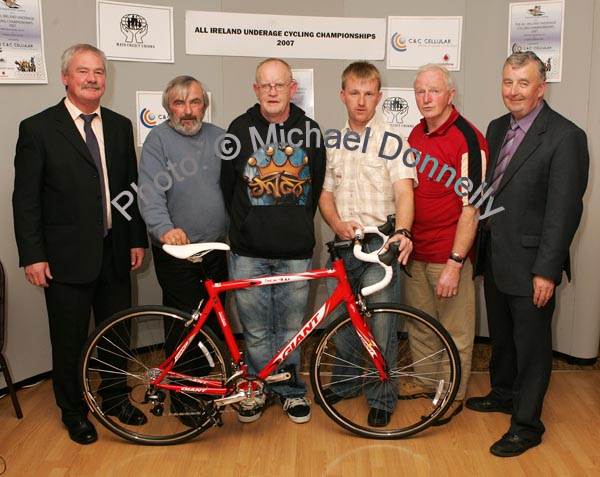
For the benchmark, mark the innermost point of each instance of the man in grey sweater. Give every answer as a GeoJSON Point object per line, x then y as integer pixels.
{"type": "Point", "coordinates": [179, 192]}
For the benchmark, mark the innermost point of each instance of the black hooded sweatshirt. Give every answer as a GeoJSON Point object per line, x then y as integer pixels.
{"type": "Point", "coordinates": [272, 185]}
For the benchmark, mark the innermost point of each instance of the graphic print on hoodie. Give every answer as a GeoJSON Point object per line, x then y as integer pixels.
{"type": "Point", "coordinates": [278, 175]}
{"type": "Point", "coordinates": [271, 187]}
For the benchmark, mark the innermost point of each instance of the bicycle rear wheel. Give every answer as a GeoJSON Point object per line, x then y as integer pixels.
{"type": "Point", "coordinates": [122, 356]}
{"type": "Point", "coordinates": [347, 384]}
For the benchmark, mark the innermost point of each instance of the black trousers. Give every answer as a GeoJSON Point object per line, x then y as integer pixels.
{"type": "Point", "coordinates": [182, 289]}
{"type": "Point", "coordinates": [180, 280]}
{"type": "Point", "coordinates": [521, 362]}
{"type": "Point", "coordinates": [69, 307]}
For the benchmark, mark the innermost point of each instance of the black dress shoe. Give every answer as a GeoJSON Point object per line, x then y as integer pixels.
{"type": "Point", "coordinates": [379, 417]}
{"type": "Point", "coordinates": [512, 445]}
{"type": "Point", "coordinates": [127, 414]}
{"type": "Point", "coordinates": [82, 431]}
{"type": "Point", "coordinates": [489, 404]}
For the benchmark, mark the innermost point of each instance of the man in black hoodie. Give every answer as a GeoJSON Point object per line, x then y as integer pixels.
{"type": "Point", "coordinates": [271, 189]}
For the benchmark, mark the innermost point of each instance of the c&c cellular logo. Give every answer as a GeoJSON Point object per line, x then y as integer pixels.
{"type": "Point", "coordinates": [148, 118]}
{"type": "Point", "coordinates": [398, 42]}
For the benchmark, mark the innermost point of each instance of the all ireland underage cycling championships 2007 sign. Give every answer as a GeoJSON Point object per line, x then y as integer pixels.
{"type": "Point", "coordinates": [241, 34]}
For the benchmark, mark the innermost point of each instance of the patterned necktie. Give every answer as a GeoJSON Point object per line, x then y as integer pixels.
{"type": "Point", "coordinates": [94, 148]}
{"type": "Point", "coordinates": [505, 156]}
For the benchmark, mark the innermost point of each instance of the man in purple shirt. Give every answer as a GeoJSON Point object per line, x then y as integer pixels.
{"type": "Point", "coordinates": [538, 171]}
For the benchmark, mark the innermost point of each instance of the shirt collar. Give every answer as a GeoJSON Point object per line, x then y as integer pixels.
{"type": "Point", "coordinates": [372, 122]}
{"type": "Point", "coordinates": [75, 112]}
{"type": "Point", "coordinates": [526, 121]}
{"type": "Point", "coordinates": [444, 127]}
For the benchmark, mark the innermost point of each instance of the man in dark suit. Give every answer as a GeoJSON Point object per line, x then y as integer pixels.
{"type": "Point", "coordinates": [71, 159]}
{"type": "Point", "coordinates": [538, 171]}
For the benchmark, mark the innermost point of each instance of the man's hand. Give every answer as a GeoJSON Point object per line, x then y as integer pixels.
{"type": "Point", "coordinates": [447, 284]}
{"type": "Point", "coordinates": [38, 274]}
{"type": "Point", "coordinates": [175, 237]}
{"type": "Point", "coordinates": [137, 258]}
{"type": "Point", "coordinates": [405, 247]}
{"type": "Point", "coordinates": [346, 230]}
{"type": "Point", "coordinates": [543, 289]}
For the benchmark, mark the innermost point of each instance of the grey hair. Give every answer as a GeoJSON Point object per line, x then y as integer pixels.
{"type": "Point", "coordinates": [442, 69]}
{"type": "Point", "coordinates": [70, 52]}
{"type": "Point", "coordinates": [276, 60]}
{"type": "Point", "coordinates": [180, 86]}
{"type": "Point", "coordinates": [521, 58]}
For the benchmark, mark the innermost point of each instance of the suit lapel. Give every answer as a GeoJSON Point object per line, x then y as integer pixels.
{"type": "Point", "coordinates": [530, 143]}
{"type": "Point", "coordinates": [66, 126]}
{"type": "Point", "coordinates": [495, 144]}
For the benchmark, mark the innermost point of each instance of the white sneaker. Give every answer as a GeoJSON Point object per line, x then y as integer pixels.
{"type": "Point", "coordinates": [298, 409]}
{"type": "Point", "coordinates": [251, 409]}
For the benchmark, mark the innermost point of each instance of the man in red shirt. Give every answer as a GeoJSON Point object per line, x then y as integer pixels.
{"type": "Point", "coordinates": [451, 164]}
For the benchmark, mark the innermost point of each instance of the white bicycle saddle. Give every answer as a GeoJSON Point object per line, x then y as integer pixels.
{"type": "Point", "coordinates": [193, 249]}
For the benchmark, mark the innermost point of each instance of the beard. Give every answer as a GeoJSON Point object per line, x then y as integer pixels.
{"type": "Point", "coordinates": [186, 130]}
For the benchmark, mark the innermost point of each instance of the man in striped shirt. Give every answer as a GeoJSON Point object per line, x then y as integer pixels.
{"type": "Point", "coordinates": [366, 180]}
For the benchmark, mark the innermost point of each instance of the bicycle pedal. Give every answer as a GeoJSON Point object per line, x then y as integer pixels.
{"type": "Point", "coordinates": [234, 398]}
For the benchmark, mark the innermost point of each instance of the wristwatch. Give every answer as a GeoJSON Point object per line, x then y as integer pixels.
{"type": "Point", "coordinates": [456, 257]}
{"type": "Point", "coordinates": [404, 232]}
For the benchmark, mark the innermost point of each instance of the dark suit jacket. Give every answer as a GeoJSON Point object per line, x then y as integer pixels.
{"type": "Point", "coordinates": [56, 201]}
{"type": "Point", "coordinates": [541, 192]}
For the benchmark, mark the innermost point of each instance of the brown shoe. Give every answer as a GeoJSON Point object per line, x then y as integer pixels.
{"type": "Point", "coordinates": [455, 408]}
{"type": "Point", "coordinates": [411, 390]}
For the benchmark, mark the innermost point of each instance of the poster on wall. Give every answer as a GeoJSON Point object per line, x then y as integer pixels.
{"type": "Point", "coordinates": [305, 94]}
{"type": "Point", "coordinates": [150, 113]}
{"type": "Point", "coordinates": [398, 109]}
{"type": "Point", "coordinates": [538, 27]}
{"type": "Point", "coordinates": [415, 41]}
{"type": "Point", "coordinates": [21, 42]}
{"type": "Point", "coordinates": [284, 36]}
{"type": "Point", "coordinates": [132, 32]}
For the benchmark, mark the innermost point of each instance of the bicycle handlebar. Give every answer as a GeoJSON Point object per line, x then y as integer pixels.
{"type": "Point", "coordinates": [383, 258]}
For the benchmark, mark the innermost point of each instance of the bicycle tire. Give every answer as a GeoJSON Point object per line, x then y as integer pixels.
{"type": "Point", "coordinates": [122, 353]}
{"type": "Point", "coordinates": [352, 373]}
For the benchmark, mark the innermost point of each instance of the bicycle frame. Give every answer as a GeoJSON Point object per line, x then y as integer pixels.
{"type": "Point", "coordinates": [342, 293]}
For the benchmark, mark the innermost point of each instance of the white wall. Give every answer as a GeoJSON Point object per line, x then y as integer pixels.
{"type": "Point", "coordinates": [485, 26]}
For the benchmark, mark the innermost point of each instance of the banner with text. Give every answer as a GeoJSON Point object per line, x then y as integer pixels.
{"type": "Point", "coordinates": [241, 34]}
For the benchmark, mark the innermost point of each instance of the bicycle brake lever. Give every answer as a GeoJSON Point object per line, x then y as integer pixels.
{"type": "Point", "coordinates": [389, 225]}
{"type": "Point", "coordinates": [389, 255]}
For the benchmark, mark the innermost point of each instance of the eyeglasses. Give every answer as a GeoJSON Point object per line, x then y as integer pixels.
{"type": "Point", "coordinates": [279, 87]}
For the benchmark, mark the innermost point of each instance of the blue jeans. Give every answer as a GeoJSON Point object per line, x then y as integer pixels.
{"type": "Point", "coordinates": [271, 315]}
{"type": "Point", "coordinates": [384, 328]}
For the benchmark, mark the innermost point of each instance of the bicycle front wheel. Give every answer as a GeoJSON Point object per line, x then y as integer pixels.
{"type": "Point", "coordinates": [121, 360]}
{"type": "Point", "coordinates": [422, 363]}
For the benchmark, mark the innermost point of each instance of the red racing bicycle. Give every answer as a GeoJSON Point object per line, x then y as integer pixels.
{"type": "Point", "coordinates": [182, 377]}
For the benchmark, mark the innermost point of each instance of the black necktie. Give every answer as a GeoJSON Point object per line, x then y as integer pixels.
{"type": "Point", "coordinates": [92, 144]}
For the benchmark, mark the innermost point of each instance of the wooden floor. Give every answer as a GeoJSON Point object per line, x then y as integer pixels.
{"type": "Point", "coordinates": [38, 445]}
